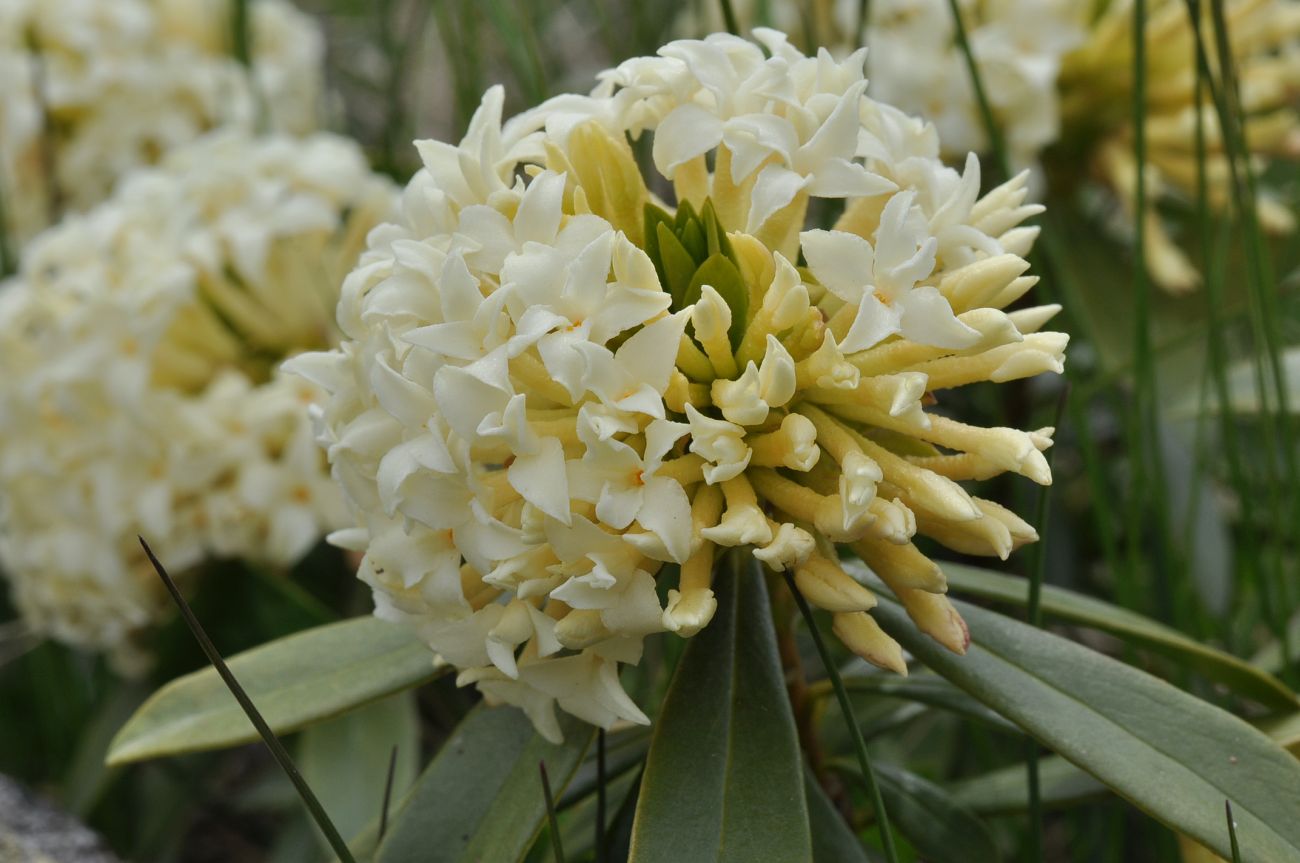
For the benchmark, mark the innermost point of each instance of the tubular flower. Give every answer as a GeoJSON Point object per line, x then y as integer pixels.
{"type": "Point", "coordinates": [553, 382]}
{"type": "Point", "coordinates": [1097, 87]}
{"type": "Point", "coordinates": [90, 89]}
{"type": "Point", "coordinates": [140, 393]}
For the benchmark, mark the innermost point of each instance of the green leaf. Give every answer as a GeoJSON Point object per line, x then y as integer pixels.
{"type": "Point", "coordinates": [714, 233]}
{"type": "Point", "coordinates": [694, 241]}
{"type": "Point", "coordinates": [719, 273]}
{"type": "Point", "coordinates": [480, 798]}
{"type": "Point", "coordinates": [833, 840]}
{"type": "Point", "coordinates": [1235, 673]}
{"type": "Point", "coordinates": [685, 215]}
{"type": "Point", "coordinates": [1170, 754]}
{"type": "Point", "coordinates": [654, 217]}
{"type": "Point", "coordinates": [727, 734]}
{"type": "Point", "coordinates": [939, 828]}
{"type": "Point", "coordinates": [1006, 791]}
{"type": "Point", "coordinates": [678, 265]}
{"type": "Point", "coordinates": [345, 759]}
{"type": "Point", "coordinates": [578, 824]}
{"type": "Point", "coordinates": [1285, 731]}
{"type": "Point", "coordinates": [294, 682]}
{"type": "Point", "coordinates": [929, 689]}
{"type": "Point", "coordinates": [88, 777]}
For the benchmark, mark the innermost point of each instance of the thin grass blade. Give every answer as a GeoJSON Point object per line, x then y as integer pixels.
{"type": "Point", "coordinates": [846, 707]}
{"type": "Point", "coordinates": [278, 752]}
{"type": "Point", "coordinates": [552, 821]}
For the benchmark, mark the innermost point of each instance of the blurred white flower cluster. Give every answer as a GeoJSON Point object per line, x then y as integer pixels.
{"type": "Point", "coordinates": [560, 398]}
{"type": "Point", "coordinates": [916, 63]}
{"type": "Point", "coordinates": [140, 393]}
{"type": "Point", "coordinates": [1058, 72]}
{"type": "Point", "coordinates": [92, 88]}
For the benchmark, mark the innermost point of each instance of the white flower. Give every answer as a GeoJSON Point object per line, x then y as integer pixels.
{"type": "Point", "coordinates": [893, 301]}
{"type": "Point", "coordinates": [624, 487]}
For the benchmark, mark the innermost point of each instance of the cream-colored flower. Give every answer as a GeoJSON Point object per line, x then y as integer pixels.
{"type": "Point", "coordinates": [140, 393]}
{"type": "Point", "coordinates": [555, 382]}
{"type": "Point", "coordinates": [91, 89]}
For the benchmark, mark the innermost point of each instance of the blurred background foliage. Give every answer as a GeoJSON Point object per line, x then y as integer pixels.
{"type": "Point", "coordinates": [1167, 501]}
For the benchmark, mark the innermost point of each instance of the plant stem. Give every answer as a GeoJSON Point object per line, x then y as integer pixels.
{"type": "Point", "coordinates": [1034, 614]}
{"type": "Point", "coordinates": [388, 792]}
{"type": "Point", "coordinates": [240, 41]}
{"type": "Point", "coordinates": [1232, 831]}
{"type": "Point", "coordinates": [1218, 355]}
{"type": "Point", "coordinates": [551, 819]}
{"type": "Point", "coordinates": [846, 707]}
{"type": "Point", "coordinates": [241, 46]}
{"type": "Point", "coordinates": [8, 265]}
{"type": "Point", "coordinates": [278, 752]}
{"type": "Point", "coordinates": [600, 796]}
{"type": "Point", "coordinates": [864, 18]}
{"type": "Point", "coordinates": [533, 50]}
{"type": "Point", "coordinates": [729, 17]}
{"type": "Point", "coordinates": [1225, 99]}
{"type": "Point", "coordinates": [996, 142]}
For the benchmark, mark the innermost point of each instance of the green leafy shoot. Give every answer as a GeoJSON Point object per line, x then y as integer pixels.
{"type": "Point", "coordinates": [278, 752]}
{"type": "Point", "coordinates": [677, 266]}
{"type": "Point", "coordinates": [690, 250]}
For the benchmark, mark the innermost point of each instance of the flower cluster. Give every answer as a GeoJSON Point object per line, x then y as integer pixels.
{"type": "Point", "coordinates": [560, 398]}
{"type": "Point", "coordinates": [90, 89]}
{"type": "Point", "coordinates": [140, 393]}
{"type": "Point", "coordinates": [1097, 97]}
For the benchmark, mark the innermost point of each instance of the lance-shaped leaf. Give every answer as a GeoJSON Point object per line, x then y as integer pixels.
{"type": "Point", "coordinates": [833, 840]}
{"type": "Point", "coordinates": [1006, 790]}
{"type": "Point", "coordinates": [481, 797]}
{"type": "Point", "coordinates": [1170, 754]}
{"type": "Point", "coordinates": [346, 759]}
{"type": "Point", "coordinates": [295, 681]}
{"type": "Point", "coordinates": [723, 781]}
{"type": "Point", "coordinates": [1066, 605]}
{"type": "Point", "coordinates": [940, 828]}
